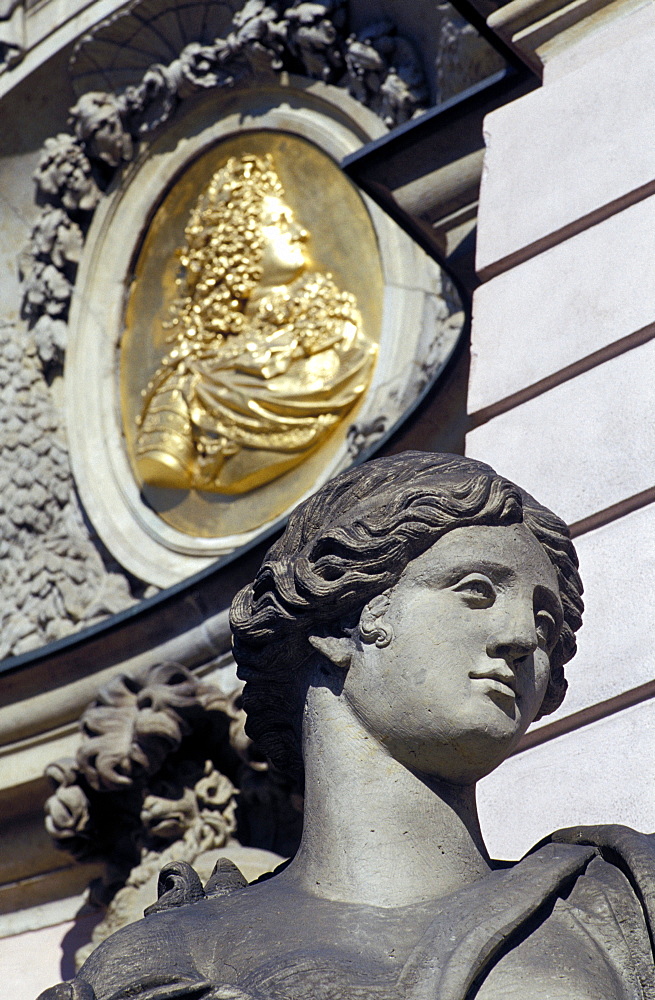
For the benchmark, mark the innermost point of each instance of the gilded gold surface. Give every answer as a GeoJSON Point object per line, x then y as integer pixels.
{"type": "Point", "coordinates": [266, 343]}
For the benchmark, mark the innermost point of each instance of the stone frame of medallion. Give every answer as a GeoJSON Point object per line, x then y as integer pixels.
{"type": "Point", "coordinates": [137, 537]}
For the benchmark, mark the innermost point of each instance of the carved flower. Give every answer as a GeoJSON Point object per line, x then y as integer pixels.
{"type": "Point", "coordinates": [64, 173]}
{"type": "Point", "coordinates": [56, 238]}
{"type": "Point", "coordinates": [50, 337]}
{"type": "Point", "coordinates": [198, 68]}
{"type": "Point", "coordinates": [168, 818]}
{"type": "Point", "coordinates": [45, 288]}
{"type": "Point", "coordinates": [214, 790]}
{"type": "Point", "coordinates": [62, 772]}
{"type": "Point", "coordinates": [67, 813]}
{"type": "Point", "coordinates": [260, 35]}
{"type": "Point", "coordinates": [96, 119]}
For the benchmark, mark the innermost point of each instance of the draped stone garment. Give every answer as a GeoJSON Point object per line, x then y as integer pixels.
{"type": "Point", "coordinates": [572, 921]}
{"type": "Point", "coordinates": [238, 411]}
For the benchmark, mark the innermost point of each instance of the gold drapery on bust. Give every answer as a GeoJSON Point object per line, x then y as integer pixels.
{"type": "Point", "coordinates": [266, 357]}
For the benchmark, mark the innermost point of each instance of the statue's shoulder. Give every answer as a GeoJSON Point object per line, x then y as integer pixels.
{"type": "Point", "coordinates": [178, 948]}
{"type": "Point", "coordinates": [628, 849]}
{"type": "Point", "coordinates": [614, 898]}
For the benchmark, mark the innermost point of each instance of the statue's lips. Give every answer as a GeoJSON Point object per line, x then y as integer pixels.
{"type": "Point", "coordinates": [500, 681]}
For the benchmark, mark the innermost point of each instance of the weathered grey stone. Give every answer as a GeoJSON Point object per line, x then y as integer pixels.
{"type": "Point", "coordinates": [413, 620]}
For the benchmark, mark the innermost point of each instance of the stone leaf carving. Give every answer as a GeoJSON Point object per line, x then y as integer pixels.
{"type": "Point", "coordinates": [385, 73]}
{"type": "Point", "coordinates": [155, 781]}
{"type": "Point", "coordinates": [47, 267]}
{"type": "Point", "coordinates": [315, 32]}
{"type": "Point", "coordinates": [134, 796]}
{"type": "Point", "coordinates": [68, 815]}
{"type": "Point", "coordinates": [65, 176]}
{"type": "Point", "coordinates": [53, 577]}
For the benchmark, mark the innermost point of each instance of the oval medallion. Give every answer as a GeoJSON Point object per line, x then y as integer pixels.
{"type": "Point", "coordinates": [251, 332]}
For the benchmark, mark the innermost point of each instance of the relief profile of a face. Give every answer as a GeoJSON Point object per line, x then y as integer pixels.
{"type": "Point", "coordinates": [264, 351]}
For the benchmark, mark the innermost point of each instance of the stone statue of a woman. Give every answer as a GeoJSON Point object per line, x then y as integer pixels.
{"type": "Point", "coordinates": [398, 640]}
{"type": "Point", "coordinates": [266, 356]}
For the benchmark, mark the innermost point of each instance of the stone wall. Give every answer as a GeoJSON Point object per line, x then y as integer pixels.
{"type": "Point", "coordinates": [560, 399]}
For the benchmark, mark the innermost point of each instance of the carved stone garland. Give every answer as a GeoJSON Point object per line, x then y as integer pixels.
{"type": "Point", "coordinates": [377, 66]}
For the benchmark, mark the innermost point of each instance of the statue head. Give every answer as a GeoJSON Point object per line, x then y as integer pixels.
{"type": "Point", "coordinates": [346, 549]}
{"type": "Point", "coordinates": [241, 234]}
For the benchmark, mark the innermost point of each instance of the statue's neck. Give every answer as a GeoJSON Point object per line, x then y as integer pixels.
{"type": "Point", "coordinates": [375, 832]}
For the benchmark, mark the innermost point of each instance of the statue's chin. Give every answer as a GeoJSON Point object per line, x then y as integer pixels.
{"type": "Point", "coordinates": [467, 753]}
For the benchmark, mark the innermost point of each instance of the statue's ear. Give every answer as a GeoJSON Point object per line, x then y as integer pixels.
{"type": "Point", "coordinates": [373, 628]}
{"type": "Point", "coordinates": [336, 649]}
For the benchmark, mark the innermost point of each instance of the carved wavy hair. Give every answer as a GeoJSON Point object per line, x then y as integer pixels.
{"type": "Point", "coordinates": [350, 542]}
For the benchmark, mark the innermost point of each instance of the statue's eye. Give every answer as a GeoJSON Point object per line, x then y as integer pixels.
{"type": "Point", "coordinates": [478, 591]}
{"type": "Point", "coordinates": [547, 630]}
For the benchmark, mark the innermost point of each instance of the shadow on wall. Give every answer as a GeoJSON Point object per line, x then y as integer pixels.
{"type": "Point", "coordinates": [77, 936]}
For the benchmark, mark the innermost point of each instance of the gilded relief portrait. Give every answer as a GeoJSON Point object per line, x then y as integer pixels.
{"type": "Point", "coordinates": [263, 352]}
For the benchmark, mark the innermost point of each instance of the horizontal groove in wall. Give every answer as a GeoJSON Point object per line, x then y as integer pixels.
{"type": "Point", "coordinates": [566, 232]}
{"type": "Point", "coordinates": [613, 512]}
{"type": "Point", "coordinates": [602, 710]}
{"type": "Point", "coordinates": [590, 361]}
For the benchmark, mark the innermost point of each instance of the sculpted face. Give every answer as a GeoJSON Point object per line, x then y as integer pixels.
{"type": "Point", "coordinates": [470, 626]}
{"type": "Point", "coordinates": [283, 254]}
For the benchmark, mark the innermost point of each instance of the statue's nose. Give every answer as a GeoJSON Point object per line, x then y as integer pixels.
{"type": "Point", "coordinates": [514, 638]}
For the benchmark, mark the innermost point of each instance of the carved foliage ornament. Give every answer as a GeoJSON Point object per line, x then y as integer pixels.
{"type": "Point", "coordinates": [162, 759]}
{"type": "Point", "coordinates": [377, 66]}
{"type": "Point", "coordinates": [133, 728]}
